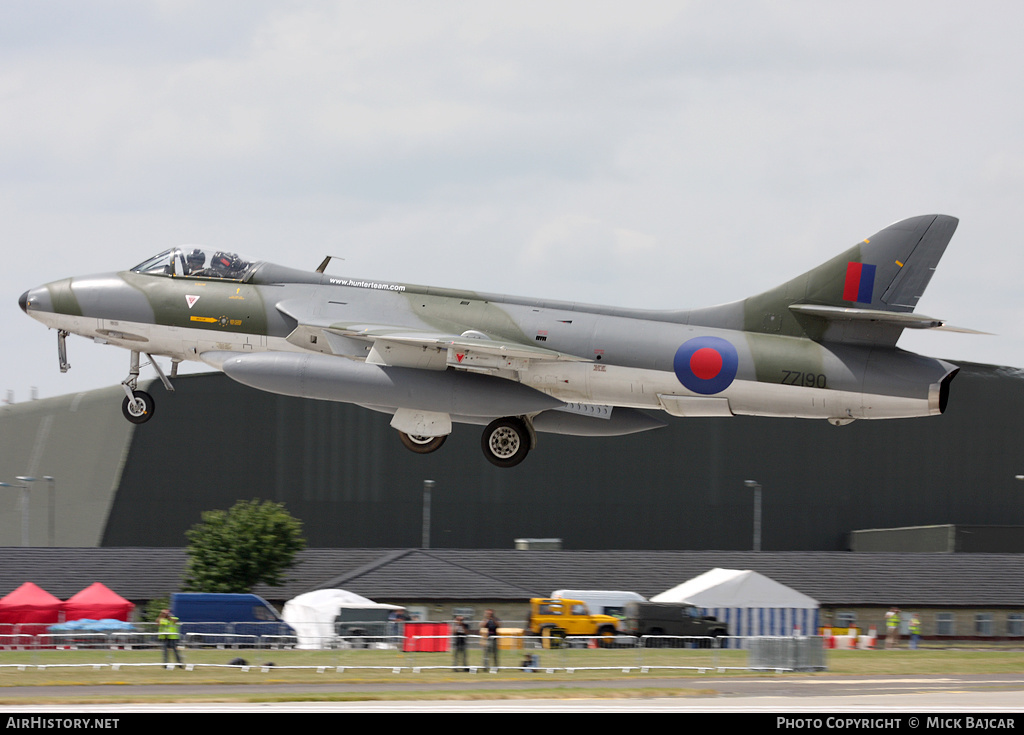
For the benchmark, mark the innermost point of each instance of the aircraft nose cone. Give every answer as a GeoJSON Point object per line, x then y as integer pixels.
{"type": "Point", "coordinates": [23, 302]}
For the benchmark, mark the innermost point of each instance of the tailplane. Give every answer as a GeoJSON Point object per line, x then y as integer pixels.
{"type": "Point", "coordinates": [866, 295]}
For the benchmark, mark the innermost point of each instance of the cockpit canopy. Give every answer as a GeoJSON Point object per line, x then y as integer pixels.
{"type": "Point", "coordinates": [189, 262]}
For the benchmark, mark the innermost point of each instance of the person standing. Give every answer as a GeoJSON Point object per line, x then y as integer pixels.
{"type": "Point", "coordinates": [168, 630]}
{"type": "Point", "coordinates": [892, 628]}
{"type": "Point", "coordinates": [915, 631]}
{"type": "Point", "coordinates": [396, 624]}
{"type": "Point", "coordinates": [489, 629]}
{"type": "Point", "coordinates": [460, 632]}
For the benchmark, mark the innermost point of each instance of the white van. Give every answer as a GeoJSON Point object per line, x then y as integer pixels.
{"type": "Point", "coordinates": [601, 602]}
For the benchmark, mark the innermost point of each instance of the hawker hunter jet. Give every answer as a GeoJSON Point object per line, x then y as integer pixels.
{"type": "Point", "coordinates": [822, 345]}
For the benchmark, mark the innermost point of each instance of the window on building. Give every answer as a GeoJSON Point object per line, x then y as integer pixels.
{"type": "Point", "coordinates": [944, 624]}
{"type": "Point", "coordinates": [983, 624]}
{"type": "Point", "coordinates": [1015, 624]}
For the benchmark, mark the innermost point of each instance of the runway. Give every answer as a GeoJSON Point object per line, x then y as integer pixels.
{"type": "Point", "coordinates": [970, 694]}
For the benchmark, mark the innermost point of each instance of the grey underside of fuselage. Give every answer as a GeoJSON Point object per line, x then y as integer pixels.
{"type": "Point", "coordinates": [619, 421]}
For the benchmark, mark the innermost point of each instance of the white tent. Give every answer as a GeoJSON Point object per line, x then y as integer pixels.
{"type": "Point", "coordinates": [750, 603]}
{"type": "Point", "coordinates": [312, 614]}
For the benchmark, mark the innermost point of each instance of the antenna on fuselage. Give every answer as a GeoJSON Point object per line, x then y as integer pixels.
{"type": "Point", "coordinates": [323, 266]}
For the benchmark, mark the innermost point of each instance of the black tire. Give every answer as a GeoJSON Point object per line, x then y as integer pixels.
{"type": "Point", "coordinates": [656, 642]}
{"type": "Point", "coordinates": [421, 444]}
{"type": "Point", "coordinates": [606, 637]}
{"type": "Point", "coordinates": [718, 642]}
{"type": "Point", "coordinates": [506, 442]}
{"type": "Point", "coordinates": [141, 409]}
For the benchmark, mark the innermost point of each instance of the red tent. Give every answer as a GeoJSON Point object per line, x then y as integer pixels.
{"type": "Point", "coordinates": [30, 603]}
{"type": "Point", "coordinates": [97, 602]}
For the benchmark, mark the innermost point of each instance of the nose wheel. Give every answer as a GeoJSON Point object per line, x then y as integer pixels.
{"type": "Point", "coordinates": [138, 405]}
{"type": "Point", "coordinates": [139, 409]}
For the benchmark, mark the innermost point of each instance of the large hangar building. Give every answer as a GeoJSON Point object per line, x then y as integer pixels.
{"type": "Point", "coordinates": [342, 470]}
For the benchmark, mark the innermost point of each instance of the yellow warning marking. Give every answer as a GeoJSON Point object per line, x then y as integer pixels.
{"type": "Point", "coordinates": [899, 264]}
{"type": "Point", "coordinates": [208, 319]}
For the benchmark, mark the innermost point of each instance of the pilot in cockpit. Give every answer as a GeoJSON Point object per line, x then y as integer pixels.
{"type": "Point", "coordinates": [226, 265]}
{"type": "Point", "coordinates": [195, 262]}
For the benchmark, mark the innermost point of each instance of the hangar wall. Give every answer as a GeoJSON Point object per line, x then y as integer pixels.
{"type": "Point", "coordinates": [81, 440]}
{"type": "Point", "coordinates": [342, 470]}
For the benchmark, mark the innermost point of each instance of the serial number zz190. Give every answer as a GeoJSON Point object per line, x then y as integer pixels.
{"type": "Point", "coordinates": [807, 380]}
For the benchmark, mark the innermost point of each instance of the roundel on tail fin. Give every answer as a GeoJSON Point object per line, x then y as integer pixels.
{"type": "Point", "coordinates": [706, 365]}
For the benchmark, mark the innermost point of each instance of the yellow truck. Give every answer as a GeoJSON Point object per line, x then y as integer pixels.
{"type": "Point", "coordinates": [555, 618]}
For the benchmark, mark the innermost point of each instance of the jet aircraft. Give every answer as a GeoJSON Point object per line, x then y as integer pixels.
{"type": "Point", "coordinates": [822, 345]}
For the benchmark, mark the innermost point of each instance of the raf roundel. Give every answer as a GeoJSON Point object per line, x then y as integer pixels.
{"type": "Point", "coordinates": [706, 365]}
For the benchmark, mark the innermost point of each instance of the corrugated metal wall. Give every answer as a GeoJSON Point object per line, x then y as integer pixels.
{"type": "Point", "coordinates": [81, 441]}
{"type": "Point", "coordinates": [342, 470]}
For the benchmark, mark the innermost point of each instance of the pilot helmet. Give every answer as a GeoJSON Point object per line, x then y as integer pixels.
{"type": "Point", "coordinates": [225, 261]}
{"type": "Point", "coordinates": [196, 259]}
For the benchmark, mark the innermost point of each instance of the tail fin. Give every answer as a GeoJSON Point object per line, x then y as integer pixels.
{"type": "Point", "coordinates": [865, 295]}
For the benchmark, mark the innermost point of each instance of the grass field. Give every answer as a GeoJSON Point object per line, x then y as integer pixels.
{"type": "Point", "coordinates": [626, 667]}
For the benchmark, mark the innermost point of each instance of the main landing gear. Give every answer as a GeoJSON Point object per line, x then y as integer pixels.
{"type": "Point", "coordinates": [505, 442]}
{"type": "Point", "coordinates": [421, 444]}
{"type": "Point", "coordinates": [138, 406]}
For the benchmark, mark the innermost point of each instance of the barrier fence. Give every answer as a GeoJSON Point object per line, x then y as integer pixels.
{"type": "Point", "coordinates": [472, 653]}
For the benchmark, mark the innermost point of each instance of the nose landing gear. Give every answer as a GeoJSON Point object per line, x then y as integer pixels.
{"type": "Point", "coordinates": [138, 406]}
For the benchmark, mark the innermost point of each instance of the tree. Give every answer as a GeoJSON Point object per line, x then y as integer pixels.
{"type": "Point", "coordinates": [234, 550]}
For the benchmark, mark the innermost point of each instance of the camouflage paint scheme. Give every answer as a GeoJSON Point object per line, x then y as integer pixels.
{"type": "Point", "coordinates": [819, 346]}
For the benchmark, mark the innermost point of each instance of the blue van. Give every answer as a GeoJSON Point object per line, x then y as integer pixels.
{"type": "Point", "coordinates": [218, 618]}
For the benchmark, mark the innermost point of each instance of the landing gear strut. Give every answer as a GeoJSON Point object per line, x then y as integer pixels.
{"type": "Point", "coordinates": [138, 406]}
{"type": "Point", "coordinates": [62, 350]}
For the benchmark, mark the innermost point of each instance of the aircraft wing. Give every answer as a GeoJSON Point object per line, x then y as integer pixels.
{"type": "Point", "coordinates": [401, 346]}
{"type": "Point", "coordinates": [482, 345]}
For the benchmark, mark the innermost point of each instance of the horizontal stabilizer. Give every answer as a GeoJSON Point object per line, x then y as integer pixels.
{"type": "Point", "coordinates": [903, 319]}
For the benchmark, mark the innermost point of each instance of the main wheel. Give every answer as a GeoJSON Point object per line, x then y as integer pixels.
{"type": "Point", "coordinates": [506, 442]}
{"type": "Point", "coordinates": [140, 410]}
{"type": "Point", "coordinates": [421, 444]}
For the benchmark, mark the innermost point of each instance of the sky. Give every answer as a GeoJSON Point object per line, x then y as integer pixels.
{"type": "Point", "coordinates": [644, 154]}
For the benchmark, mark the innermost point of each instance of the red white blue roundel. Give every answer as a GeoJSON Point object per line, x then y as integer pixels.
{"type": "Point", "coordinates": [706, 365]}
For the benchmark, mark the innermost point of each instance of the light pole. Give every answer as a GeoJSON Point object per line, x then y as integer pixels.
{"type": "Point", "coordinates": [51, 531]}
{"type": "Point", "coordinates": [24, 506]}
{"type": "Point", "coordinates": [428, 486]}
{"type": "Point", "coordinates": [25, 517]}
{"type": "Point", "coordinates": [756, 486]}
